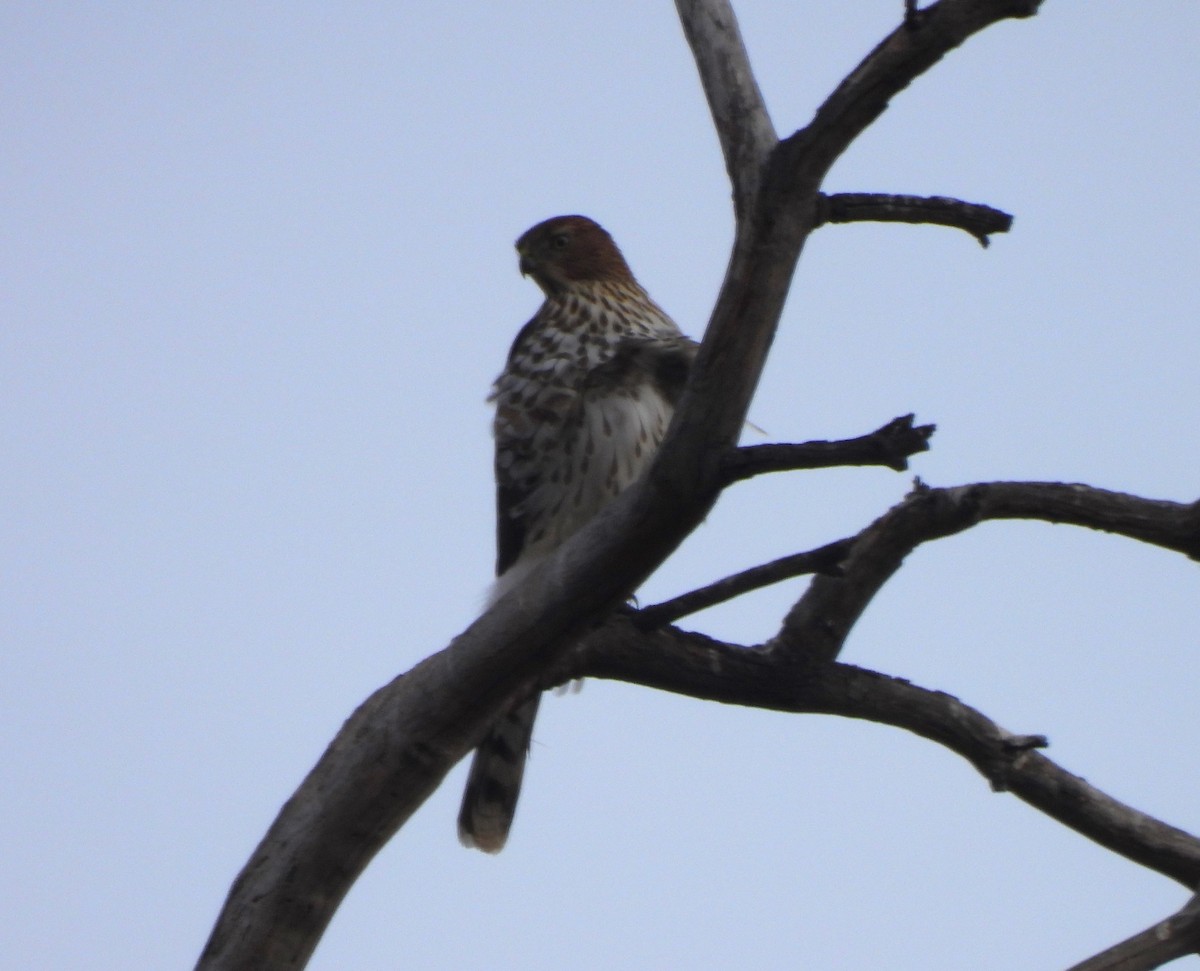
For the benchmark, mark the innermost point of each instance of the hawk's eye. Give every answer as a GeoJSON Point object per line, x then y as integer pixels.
{"type": "Point", "coordinates": [560, 241]}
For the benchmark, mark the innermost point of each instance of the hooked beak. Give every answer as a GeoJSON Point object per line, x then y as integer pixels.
{"type": "Point", "coordinates": [526, 265]}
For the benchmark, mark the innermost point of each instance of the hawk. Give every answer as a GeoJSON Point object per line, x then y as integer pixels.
{"type": "Point", "coordinates": [582, 405]}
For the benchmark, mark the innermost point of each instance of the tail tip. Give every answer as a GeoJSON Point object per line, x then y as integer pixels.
{"type": "Point", "coordinates": [491, 843]}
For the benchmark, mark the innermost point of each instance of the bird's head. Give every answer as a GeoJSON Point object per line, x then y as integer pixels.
{"type": "Point", "coordinates": [568, 250]}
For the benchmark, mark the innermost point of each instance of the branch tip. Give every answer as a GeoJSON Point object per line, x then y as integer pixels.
{"type": "Point", "coordinates": [1024, 743]}
{"type": "Point", "coordinates": [911, 14]}
{"type": "Point", "coordinates": [888, 446]}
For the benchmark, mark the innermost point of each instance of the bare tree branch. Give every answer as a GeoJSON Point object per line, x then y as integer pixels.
{"type": "Point", "coordinates": [922, 40]}
{"type": "Point", "coordinates": [701, 667]}
{"type": "Point", "coordinates": [1171, 525]}
{"type": "Point", "coordinates": [821, 620]}
{"type": "Point", "coordinates": [1176, 937]}
{"type": "Point", "coordinates": [825, 559]}
{"type": "Point", "coordinates": [851, 207]}
{"type": "Point", "coordinates": [1174, 526]}
{"type": "Point", "coordinates": [738, 110]}
{"type": "Point", "coordinates": [770, 234]}
{"type": "Point", "coordinates": [386, 760]}
{"type": "Point", "coordinates": [889, 446]}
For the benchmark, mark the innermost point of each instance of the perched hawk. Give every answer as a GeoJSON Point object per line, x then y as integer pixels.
{"type": "Point", "coordinates": [581, 407]}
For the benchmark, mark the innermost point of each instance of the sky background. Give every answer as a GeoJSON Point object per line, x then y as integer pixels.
{"type": "Point", "coordinates": [256, 276]}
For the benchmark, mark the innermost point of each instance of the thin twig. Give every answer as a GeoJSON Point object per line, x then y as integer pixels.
{"type": "Point", "coordinates": [824, 559]}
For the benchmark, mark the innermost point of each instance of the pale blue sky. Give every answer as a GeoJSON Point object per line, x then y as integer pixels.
{"type": "Point", "coordinates": [256, 277]}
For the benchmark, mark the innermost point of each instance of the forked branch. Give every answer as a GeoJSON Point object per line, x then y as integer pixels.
{"type": "Point", "coordinates": [817, 626]}
{"type": "Point", "coordinates": [850, 571]}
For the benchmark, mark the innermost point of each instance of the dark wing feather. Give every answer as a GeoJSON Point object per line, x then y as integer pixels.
{"type": "Point", "coordinates": [510, 529]}
{"type": "Point", "coordinates": [665, 362]}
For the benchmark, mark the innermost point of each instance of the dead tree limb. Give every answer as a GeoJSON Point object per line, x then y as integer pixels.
{"type": "Point", "coordinates": [826, 559]}
{"type": "Point", "coordinates": [1176, 937]}
{"type": "Point", "coordinates": [971, 217]}
{"type": "Point", "coordinates": [820, 621]}
{"type": "Point", "coordinates": [772, 678]}
{"type": "Point", "coordinates": [403, 740]}
{"type": "Point", "coordinates": [890, 446]}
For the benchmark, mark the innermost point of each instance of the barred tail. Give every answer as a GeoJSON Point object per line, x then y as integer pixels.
{"type": "Point", "coordinates": [490, 800]}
